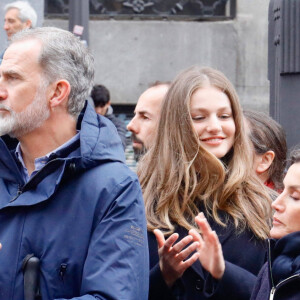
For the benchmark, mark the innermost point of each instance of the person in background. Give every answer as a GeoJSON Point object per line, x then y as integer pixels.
{"type": "Point", "coordinates": [67, 197]}
{"type": "Point", "coordinates": [279, 278]}
{"type": "Point", "coordinates": [269, 142]}
{"type": "Point", "coordinates": [101, 98]}
{"type": "Point", "coordinates": [200, 161]}
{"type": "Point", "coordinates": [143, 125]}
{"type": "Point", "coordinates": [19, 15]}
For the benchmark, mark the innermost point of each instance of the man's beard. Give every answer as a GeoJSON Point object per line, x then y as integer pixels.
{"type": "Point", "coordinates": [138, 152]}
{"type": "Point", "coordinates": [18, 124]}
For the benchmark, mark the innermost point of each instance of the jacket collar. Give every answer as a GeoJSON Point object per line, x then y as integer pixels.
{"type": "Point", "coordinates": [287, 245]}
{"type": "Point", "coordinates": [284, 259]}
{"type": "Point", "coordinates": [97, 143]}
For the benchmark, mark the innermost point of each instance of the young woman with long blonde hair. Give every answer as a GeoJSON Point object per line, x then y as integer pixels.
{"type": "Point", "coordinates": [201, 162]}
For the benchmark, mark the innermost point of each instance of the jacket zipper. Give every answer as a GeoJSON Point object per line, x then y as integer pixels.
{"type": "Point", "coordinates": [19, 192]}
{"type": "Point", "coordinates": [274, 288]}
{"type": "Point", "coordinates": [270, 265]}
{"type": "Point", "coordinates": [270, 270]}
{"type": "Point", "coordinates": [272, 293]}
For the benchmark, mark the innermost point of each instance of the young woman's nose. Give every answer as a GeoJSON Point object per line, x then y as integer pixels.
{"type": "Point", "coordinates": [213, 124]}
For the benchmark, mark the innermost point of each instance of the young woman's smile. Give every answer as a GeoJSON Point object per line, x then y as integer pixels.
{"type": "Point", "coordinates": [212, 120]}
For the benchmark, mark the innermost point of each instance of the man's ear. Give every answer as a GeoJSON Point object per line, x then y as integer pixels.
{"type": "Point", "coordinates": [265, 162]}
{"type": "Point", "coordinates": [59, 93]}
{"type": "Point", "coordinates": [27, 24]}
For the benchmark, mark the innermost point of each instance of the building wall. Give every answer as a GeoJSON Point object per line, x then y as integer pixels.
{"type": "Point", "coordinates": [129, 55]}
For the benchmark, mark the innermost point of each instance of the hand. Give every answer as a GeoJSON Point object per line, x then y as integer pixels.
{"type": "Point", "coordinates": [173, 258]}
{"type": "Point", "coordinates": [210, 250]}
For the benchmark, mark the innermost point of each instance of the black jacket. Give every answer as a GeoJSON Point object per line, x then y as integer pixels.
{"type": "Point", "coordinates": [119, 124]}
{"type": "Point", "coordinates": [244, 255]}
{"type": "Point", "coordinates": [279, 279]}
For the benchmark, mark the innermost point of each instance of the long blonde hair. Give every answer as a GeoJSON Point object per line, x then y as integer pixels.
{"type": "Point", "coordinates": [177, 174]}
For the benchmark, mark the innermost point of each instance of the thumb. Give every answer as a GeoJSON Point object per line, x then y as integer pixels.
{"type": "Point", "coordinates": [159, 237]}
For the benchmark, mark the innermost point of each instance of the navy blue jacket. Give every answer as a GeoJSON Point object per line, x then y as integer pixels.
{"type": "Point", "coordinates": [244, 255]}
{"type": "Point", "coordinates": [280, 276]}
{"type": "Point", "coordinates": [82, 215]}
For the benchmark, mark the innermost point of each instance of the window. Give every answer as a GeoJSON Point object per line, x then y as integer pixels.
{"type": "Point", "coordinates": [151, 9]}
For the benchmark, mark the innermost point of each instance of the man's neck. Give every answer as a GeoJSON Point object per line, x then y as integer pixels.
{"type": "Point", "coordinates": [45, 140]}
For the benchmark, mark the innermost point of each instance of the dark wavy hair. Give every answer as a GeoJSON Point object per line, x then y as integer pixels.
{"type": "Point", "coordinates": [266, 134]}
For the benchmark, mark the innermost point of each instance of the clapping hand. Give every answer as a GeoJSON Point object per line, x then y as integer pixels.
{"type": "Point", "coordinates": [173, 258]}
{"type": "Point", "coordinates": [209, 249]}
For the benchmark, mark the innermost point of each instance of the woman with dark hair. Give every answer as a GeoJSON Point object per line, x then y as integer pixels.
{"type": "Point", "coordinates": [279, 278]}
{"type": "Point", "coordinates": [201, 161]}
{"type": "Point", "coordinates": [269, 142]}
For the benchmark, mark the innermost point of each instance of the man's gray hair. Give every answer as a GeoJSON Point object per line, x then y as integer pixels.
{"type": "Point", "coordinates": [64, 56]}
{"type": "Point", "coordinates": [26, 12]}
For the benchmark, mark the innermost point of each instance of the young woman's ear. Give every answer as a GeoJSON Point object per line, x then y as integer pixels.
{"type": "Point", "coordinates": [265, 162]}
{"type": "Point", "coordinates": [60, 92]}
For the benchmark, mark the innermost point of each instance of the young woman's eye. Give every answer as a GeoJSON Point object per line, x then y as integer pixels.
{"type": "Point", "coordinates": [225, 116]}
{"type": "Point", "coordinates": [197, 118]}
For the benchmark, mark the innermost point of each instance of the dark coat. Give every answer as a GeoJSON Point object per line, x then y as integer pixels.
{"type": "Point", "coordinates": [280, 276]}
{"type": "Point", "coordinates": [120, 125]}
{"type": "Point", "coordinates": [82, 215]}
{"type": "Point", "coordinates": [244, 255]}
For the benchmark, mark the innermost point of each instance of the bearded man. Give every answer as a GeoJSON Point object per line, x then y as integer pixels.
{"type": "Point", "coordinates": [71, 212]}
{"type": "Point", "coordinates": [143, 125]}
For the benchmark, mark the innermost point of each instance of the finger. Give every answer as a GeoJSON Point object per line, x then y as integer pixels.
{"type": "Point", "coordinates": [201, 215]}
{"type": "Point", "coordinates": [188, 251]}
{"type": "Point", "coordinates": [187, 263]}
{"type": "Point", "coordinates": [212, 239]}
{"type": "Point", "coordinates": [204, 226]}
{"type": "Point", "coordinates": [0, 245]}
{"type": "Point", "coordinates": [182, 244]}
{"type": "Point", "coordinates": [197, 237]}
{"type": "Point", "coordinates": [159, 238]}
{"type": "Point", "coordinates": [215, 239]}
{"type": "Point", "coordinates": [170, 241]}
{"type": "Point", "coordinates": [201, 218]}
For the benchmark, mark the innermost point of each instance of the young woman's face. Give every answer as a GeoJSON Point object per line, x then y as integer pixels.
{"type": "Point", "coordinates": [212, 120]}
{"type": "Point", "coordinates": [286, 218]}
